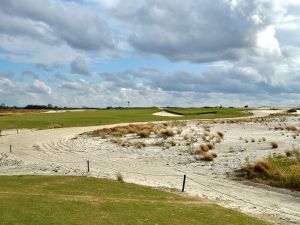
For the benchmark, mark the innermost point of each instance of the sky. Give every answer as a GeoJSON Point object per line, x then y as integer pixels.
{"type": "Point", "coordinates": [99, 53]}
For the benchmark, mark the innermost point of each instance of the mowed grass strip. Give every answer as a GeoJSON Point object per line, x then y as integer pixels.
{"type": "Point", "coordinates": [102, 117]}
{"type": "Point", "coordinates": [82, 200]}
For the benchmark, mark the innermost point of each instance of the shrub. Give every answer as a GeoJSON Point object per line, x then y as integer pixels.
{"type": "Point", "coordinates": [207, 157]}
{"type": "Point", "coordinates": [55, 125]}
{"type": "Point", "coordinates": [210, 146]}
{"type": "Point", "coordinates": [221, 134]}
{"type": "Point", "coordinates": [139, 144]}
{"type": "Point", "coordinates": [274, 144]}
{"type": "Point", "coordinates": [166, 133]}
{"type": "Point", "coordinates": [144, 133]}
{"type": "Point", "coordinates": [119, 177]}
{"type": "Point", "coordinates": [213, 154]}
{"type": "Point", "coordinates": [275, 170]}
{"type": "Point", "coordinates": [120, 131]}
{"type": "Point", "coordinates": [204, 148]}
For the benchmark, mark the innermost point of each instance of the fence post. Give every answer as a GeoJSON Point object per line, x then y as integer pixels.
{"type": "Point", "coordinates": [10, 148]}
{"type": "Point", "coordinates": [88, 165]}
{"type": "Point", "coordinates": [183, 184]}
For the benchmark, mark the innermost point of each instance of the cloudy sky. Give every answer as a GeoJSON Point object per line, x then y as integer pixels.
{"type": "Point", "coordinates": [166, 53]}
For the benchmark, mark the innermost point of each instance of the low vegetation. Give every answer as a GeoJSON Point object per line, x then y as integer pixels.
{"type": "Point", "coordinates": [276, 170]}
{"type": "Point", "coordinates": [274, 144]}
{"type": "Point", "coordinates": [81, 200]}
{"type": "Point", "coordinates": [143, 130]}
{"type": "Point", "coordinates": [36, 119]}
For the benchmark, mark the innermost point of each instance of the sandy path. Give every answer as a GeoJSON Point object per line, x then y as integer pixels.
{"type": "Point", "coordinates": [54, 152]}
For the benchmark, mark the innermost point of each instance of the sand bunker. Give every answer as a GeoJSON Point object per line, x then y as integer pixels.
{"type": "Point", "coordinates": [164, 113]}
{"type": "Point", "coordinates": [62, 111]}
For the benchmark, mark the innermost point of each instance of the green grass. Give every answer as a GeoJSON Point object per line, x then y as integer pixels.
{"type": "Point", "coordinates": [210, 113]}
{"type": "Point", "coordinates": [80, 200]}
{"type": "Point", "coordinates": [101, 117]}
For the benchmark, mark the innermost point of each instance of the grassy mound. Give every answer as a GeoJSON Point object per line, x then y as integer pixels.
{"type": "Point", "coordinates": [81, 200]}
{"type": "Point", "coordinates": [276, 170]}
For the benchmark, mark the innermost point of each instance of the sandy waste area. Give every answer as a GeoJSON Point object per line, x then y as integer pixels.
{"type": "Point", "coordinates": [162, 162]}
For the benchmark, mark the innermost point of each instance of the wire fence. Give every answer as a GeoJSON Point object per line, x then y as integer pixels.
{"type": "Point", "coordinates": [96, 168]}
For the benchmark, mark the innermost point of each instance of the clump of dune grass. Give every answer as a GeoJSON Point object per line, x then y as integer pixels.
{"type": "Point", "coordinates": [55, 125]}
{"type": "Point", "coordinates": [210, 146]}
{"type": "Point", "coordinates": [292, 128]}
{"type": "Point", "coordinates": [204, 148]}
{"type": "Point", "coordinates": [213, 154]}
{"type": "Point", "coordinates": [273, 144]}
{"type": "Point", "coordinates": [119, 131]}
{"type": "Point", "coordinates": [120, 177]}
{"type": "Point", "coordinates": [263, 139]}
{"type": "Point", "coordinates": [172, 143]}
{"type": "Point", "coordinates": [276, 170]}
{"type": "Point", "coordinates": [139, 144]}
{"type": "Point", "coordinates": [221, 134]}
{"type": "Point", "coordinates": [166, 133]}
{"type": "Point", "coordinates": [207, 157]}
{"type": "Point", "coordinates": [144, 133]}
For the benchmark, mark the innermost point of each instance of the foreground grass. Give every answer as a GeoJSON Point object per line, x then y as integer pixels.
{"type": "Point", "coordinates": [81, 200]}
{"type": "Point", "coordinates": [277, 170]}
{"type": "Point", "coordinates": [101, 117]}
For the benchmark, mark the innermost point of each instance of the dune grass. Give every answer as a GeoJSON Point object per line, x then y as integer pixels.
{"type": "Point", "coordinates": [81, 200]}
{"type": "Point", "coordinates": [100, 117]}
{"type": "Point", "coordinates": [276, 170]}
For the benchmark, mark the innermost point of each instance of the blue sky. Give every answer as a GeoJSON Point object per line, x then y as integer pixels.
{"type": "Point", "coordinates": [102, 53]}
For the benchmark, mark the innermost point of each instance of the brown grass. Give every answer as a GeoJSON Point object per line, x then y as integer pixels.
{"type": "Point", "coordinates": [221, 134]}
{"type": "Point", "coordinates": [143, 130]}
{"type": "Point", "coordinates": [273, 144]}
{"type": "Point", "coordinates": [213, 154]}
{"type": "Point", "coordinates": [144, 133]}
{"type": "Point", "coordinates": [204, 148]}
{"type": "Point", "coordinates": [139, 144]}
{"type": "Point", "coordinates": [166, 133]}
{"type": "Point", "coordinates": [55, 125]}
{"type": "Point", "coordinates": [5, 112]}
{"type": "Point", "coordinates": [292, 128]}
{"type": "Point", "coordinates": [120, 177]}
{"type": "Point", "coordinates": [276, 170]}
{"type": "Point", "coordinates": [207, 157]}
{"type": "Point", "coordinates": [210, 146]}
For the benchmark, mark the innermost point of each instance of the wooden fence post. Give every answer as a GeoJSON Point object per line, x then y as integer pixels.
{"type": "Point", "coordinates": [183, 184]}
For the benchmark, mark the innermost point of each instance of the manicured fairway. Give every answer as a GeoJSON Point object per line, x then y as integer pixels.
{"type": "Point", "coordinates": [101, 117]}
{"type": "Point", "coordinates": [79, 200]}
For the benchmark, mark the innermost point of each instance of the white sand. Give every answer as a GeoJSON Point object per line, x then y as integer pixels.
{"type": "Point", "coordinates": [71, 110]}
{"type": "Point", "coordinates": [164, 113]}
{"type": "Point", "coordinates": [56, 152]}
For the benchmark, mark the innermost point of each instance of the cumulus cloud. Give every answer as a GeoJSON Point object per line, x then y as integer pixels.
{"type": "Point", "coordinates": [79, 66]}
{"type": "Point", "coordinates": [248, 51]}
{"type": "Point", "coordinates": [53, 26]}
{"type": "Point", "coordinates": [40, 87]}
{"type": "Point", "coordinates": [202, 31]}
